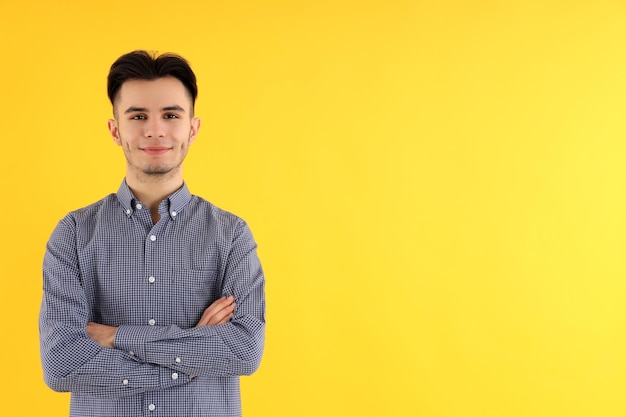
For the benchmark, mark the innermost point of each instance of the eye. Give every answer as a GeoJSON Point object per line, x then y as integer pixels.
{"type": "Point", "coordinates": [138, 117]}
{"type": "Point", "coordinates": [171, 116]}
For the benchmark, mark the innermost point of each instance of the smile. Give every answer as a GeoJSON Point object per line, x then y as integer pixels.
{"type": "Point", "coordinates": [155, 150]}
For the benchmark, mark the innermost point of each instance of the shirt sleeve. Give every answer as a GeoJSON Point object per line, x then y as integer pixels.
{"type": "Point", "coordinates": [71, 360]}
{"type": "Point", "coordinates": [229, 349]}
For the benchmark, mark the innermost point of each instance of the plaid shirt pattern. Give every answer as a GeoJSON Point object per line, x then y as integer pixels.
{"type": "Point", "coordinates": [110, 264]}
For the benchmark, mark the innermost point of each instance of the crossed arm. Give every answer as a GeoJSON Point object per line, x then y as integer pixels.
{"type": "Point", "coordinates": [220, 312]}
{"type": "Point", "coordinates": [81, 356]}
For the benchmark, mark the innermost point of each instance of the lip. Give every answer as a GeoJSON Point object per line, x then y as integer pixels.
{"type": "Point", "coordinates": [155, 150]}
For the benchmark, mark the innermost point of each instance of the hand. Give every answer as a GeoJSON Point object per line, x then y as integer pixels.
{"type": "Point", "coordinates": [220, 312]}
{"type": "Point", "coordinates": [104, 335]}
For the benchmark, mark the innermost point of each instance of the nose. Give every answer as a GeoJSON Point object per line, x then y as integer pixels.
{"type": "Point", "coordinates": [155, 128]}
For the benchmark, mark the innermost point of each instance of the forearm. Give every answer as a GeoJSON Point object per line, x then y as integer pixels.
{"type": "Point", "coordinates": [74, 363]}
{"type": "Point", "coordinates": [71, 360]}
{"type": "Point", "coordinates": [229, 349]}
{"type": "Point", "coordinates": [233, 348]}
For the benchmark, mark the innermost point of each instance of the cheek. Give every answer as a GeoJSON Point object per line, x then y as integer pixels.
{"type": "Point", "coordinates": [128, 136]}
{"type": "Point", "coordinates": [184, 136]}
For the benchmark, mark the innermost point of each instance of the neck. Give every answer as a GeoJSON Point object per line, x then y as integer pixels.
{"type": "Point", "coordinates": [152, 189]}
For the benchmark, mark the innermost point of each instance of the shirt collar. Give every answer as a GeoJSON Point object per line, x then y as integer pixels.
{"type": "Point", "coordinates": [174, 203]}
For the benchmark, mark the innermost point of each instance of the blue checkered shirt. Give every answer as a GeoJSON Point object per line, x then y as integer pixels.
{"type": "Point", "coordinates": [108, 263]}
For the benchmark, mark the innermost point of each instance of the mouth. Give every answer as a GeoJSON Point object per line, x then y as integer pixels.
{"type": "Point", "coordinates": [155, 150]}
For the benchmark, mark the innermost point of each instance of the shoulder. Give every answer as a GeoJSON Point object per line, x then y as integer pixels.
{"type": "Point", "coordinates": [215, 220]}
{"type": "Point", "coordinates": [88, 216]}
{"type": "Point", "coordinates": [95, 210]}
{"type": "Point", "coordinates": [214, 213]}
{"type": "Point", "coordinates": [82, 220]}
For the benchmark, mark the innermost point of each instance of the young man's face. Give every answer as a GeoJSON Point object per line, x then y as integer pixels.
{"type": "Point", "coordinates": [154, 125]}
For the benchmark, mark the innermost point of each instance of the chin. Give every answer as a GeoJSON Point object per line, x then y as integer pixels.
{"type": "Point", "coordinates": [159, 169]}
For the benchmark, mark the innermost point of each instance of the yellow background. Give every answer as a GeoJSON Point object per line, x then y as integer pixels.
{"type": "Point", "coordinates": [438, 190]}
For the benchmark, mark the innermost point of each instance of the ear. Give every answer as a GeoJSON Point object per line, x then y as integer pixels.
{"type": "Point", "coordinates": [195, 127]}
{"type": "Point", "coordinates": [115, 131]}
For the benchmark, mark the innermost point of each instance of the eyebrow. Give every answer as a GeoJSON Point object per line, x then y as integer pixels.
{"type": "Point", "coordinates": [145, 110]}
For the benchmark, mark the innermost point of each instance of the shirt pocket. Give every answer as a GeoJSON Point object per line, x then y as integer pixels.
{"type": "Point", "coordinates": [193, 291]}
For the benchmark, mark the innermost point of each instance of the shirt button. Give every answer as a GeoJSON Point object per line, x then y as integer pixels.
{"type": "Point", "coordinates": [151, 407]}
{"type": "Point", "coordinates": [153, 238]}
{"type": "Point", "coordinates": [175, 375]}
{"type": "Point", "coordinates": [151, 280]}
{"type": "Point", "coordinates": [152, 322]}
{"type": "Point", "coordinates": [174, 214]}
{"type": "Point", "coordinates": [125, 382]}
{"type": "Point", "coordinates": [177, 360]}
{"type": "Point", "coordinates": [131, 353]}
{"type": "Point", "coordinates": [138, 206]}
{"type": "Point", "coordinates": [127, 211]}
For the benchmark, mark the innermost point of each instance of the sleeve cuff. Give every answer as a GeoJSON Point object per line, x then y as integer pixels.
{"type": "Point", "coordinates": [170, 378]}
{"type": "Point", "coordinates": [132, 339]}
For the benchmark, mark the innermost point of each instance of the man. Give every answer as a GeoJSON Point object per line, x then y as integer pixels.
{"type": "Point", "coordinates": [153, 298]}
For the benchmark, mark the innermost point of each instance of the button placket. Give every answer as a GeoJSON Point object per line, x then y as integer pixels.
{"type": "Point", "coordinates": [154, 282]}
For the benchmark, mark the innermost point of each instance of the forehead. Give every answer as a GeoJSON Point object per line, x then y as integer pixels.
{"type": "Point", "coordinates": [159, 92]}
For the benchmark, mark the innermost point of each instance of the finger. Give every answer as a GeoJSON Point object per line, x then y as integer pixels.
{"type": "Point", "coordinates": [220, 303]}
{"type": "Point", "coordinates": [206, 314]}
{"type": "Point", "coordinates": [217, 317]}
{"type": "Point", "coordinates": [215, 308]}
{"type": "Point", "coordinates": [204, 320]}
{"type": "Point", "coordinates": [222, 316]}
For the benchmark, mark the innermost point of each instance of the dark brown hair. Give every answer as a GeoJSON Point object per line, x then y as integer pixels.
{"type": "Point", "coordinates": [142, 65]}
